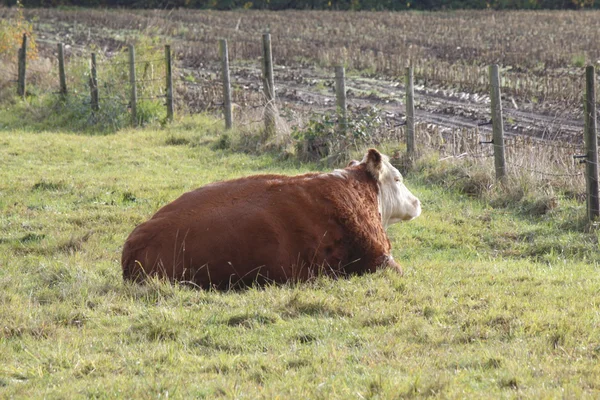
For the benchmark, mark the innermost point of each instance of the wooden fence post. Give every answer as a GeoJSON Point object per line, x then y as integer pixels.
{"type": "Point", "coordinates": [21, 86]}
{"type": "Point", "coordinates": [169, 77]}
{"type": "Point", "coordinates": [591, 144]}
{"type": "Point", "coordinates": [497, 123]}
{"type": "Point", "coordinates": [340, 95]}
{"type": "Point", "coordinates": [61, 71]}
{"type": "Point", "coordinates": [94, 85]}
{"type": "Point", "coordinates": [19, 72]}
{"type": "Point", "coordinates": [132, 82]}
{"type": "Point", "coordinates": [411, 147]}
{"type": "Point", "coordinates": [226, 83]}
{"type": "Point", "coordinates": [268, 87]}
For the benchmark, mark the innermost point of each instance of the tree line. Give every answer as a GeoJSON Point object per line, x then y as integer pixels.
{"type": "Point", "coordinates": [356, 5]}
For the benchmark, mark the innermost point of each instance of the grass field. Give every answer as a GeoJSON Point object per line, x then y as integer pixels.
{"type": "Point", "coordinates": [494, 302]}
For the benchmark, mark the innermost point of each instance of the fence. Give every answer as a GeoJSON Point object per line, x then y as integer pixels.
{"type": "Point", "coordinates": [496, 119]}
{"type": "Point", "coordinates": [107, 84]}
{"type": "Point", "coordinates": [459, 140]}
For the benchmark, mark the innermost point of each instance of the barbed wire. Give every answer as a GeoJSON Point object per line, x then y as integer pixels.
{"type": "Point", "coordinates": [481, 155]}
{"type": "Point", "coordinates": [110, 62]}
{"type": "Point", "coordinates": [39, 71]}
{"type": "Point", "coordinates": [314, 78]}
{"type": "Point", "coordinates": [202, 84]}
{"type": "Point", "coordinates": [75, 94]}
{"type": "Point", "coordinates": [543, 172]}
{"type": "Point", "coordinates": [150, 80]}
{"type": "Point", "coordinates": [152, 97]}
{"type": "Point", "coordinates": [518, 141]}
{"type": "Point", "coordinates": [588, 162]}
{"type": "Point", "coordinates": [107, 85]}
{"type": "Point", "coordinates": [312, 93]}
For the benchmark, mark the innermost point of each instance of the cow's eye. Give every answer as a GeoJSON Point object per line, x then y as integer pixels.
{"type": "Point", "coordinates": [397, 179]}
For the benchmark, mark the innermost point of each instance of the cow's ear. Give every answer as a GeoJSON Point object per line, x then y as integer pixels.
{"type": "Point", "coordinates": [374, 162]}
{"type": "Point", "coordinates": [352, 163]}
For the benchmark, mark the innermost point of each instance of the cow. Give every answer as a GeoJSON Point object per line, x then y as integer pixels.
{"type": "Point", "coordinates": [275, 228]}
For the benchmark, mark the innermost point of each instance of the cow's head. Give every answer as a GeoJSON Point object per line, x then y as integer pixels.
{"type": "Point", "coordinates": [396, 202]}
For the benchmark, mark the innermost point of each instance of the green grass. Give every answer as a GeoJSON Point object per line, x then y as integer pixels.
{"type": "Point", "coordinates": [494, 302]}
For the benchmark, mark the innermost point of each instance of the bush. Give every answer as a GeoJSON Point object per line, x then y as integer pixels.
{"type": "Point", "coordinates": [11, 36]}
{"type": "Point", "coordinates": [321, 138]}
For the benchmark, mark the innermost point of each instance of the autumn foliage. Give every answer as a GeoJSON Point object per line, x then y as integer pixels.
{"type": "Point", "coordinates": [11, 36]}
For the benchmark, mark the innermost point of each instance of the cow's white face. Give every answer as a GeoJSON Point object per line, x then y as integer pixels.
{"type": "Point", "coordinates": [396, 202]}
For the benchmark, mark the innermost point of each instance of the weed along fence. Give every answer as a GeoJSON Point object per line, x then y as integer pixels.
{"type": "Point", "coordinates": [136, 79]}
{"type": "Point", "coordinates": [112, 87]}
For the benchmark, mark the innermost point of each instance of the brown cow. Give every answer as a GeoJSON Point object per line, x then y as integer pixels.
{"type": "Point", "coordinates": [275, 228]}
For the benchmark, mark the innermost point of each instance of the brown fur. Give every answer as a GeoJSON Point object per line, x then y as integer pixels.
{"type": "Point", "coordinates": [264, 228]}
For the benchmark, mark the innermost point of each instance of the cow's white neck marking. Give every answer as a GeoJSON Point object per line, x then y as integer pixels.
{"type": "Point", "coordinates": [339, 173]}
{"type": "Point", "coordinates": [391, 191]}
{"type": "Point", "coordinates": [380, 207]}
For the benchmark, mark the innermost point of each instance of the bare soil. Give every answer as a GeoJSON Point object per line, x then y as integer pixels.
{"type": "Point", "coordinates": [310, 89]}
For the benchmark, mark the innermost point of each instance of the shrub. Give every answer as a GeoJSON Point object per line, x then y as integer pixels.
{"type": "Point", "coordinates": [321, 137]}
{"type": "Point", "coordinates": [11, 36]}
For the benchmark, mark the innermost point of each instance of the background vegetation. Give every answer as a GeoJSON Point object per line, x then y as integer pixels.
{"type": "Point", "coordinates": [356, 5]}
